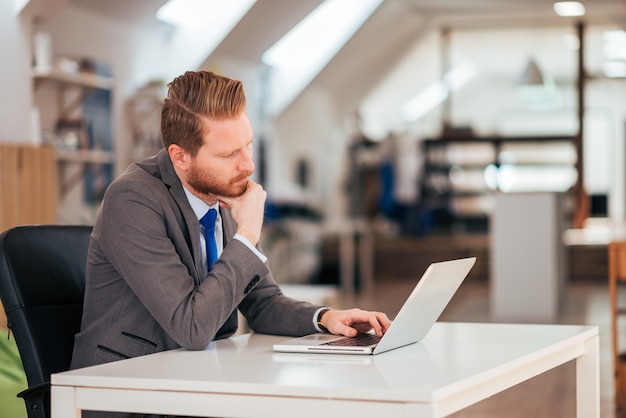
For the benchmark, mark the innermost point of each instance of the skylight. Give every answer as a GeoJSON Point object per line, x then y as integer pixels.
{"type": "Point", "coordinates": [438, 91]}
{"type": "Point", "coordinates": [200, 26]}
{"type": "Point", "coordinates": [301, 54]}
{"type": "Point", "coordinates": [217, 14]}
{"type": "Point", "coordinates": [18, 6]}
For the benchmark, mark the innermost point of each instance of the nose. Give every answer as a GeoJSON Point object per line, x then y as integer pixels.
{"type": "Point", "coordinates": [247, 161]}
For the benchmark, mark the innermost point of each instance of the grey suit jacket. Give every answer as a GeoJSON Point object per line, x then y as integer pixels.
{"type": "Point", "coordinates": [144, 292]}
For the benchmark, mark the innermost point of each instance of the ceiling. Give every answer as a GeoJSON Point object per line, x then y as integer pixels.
{"type": "Point", "coordinates": [395, 25]}
{"type": "Point", "coordinates": [384, 39]}
{"type": "Point", "coordinates": [456, 13]}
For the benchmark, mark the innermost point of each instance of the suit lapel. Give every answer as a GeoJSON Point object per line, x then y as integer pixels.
{"type": "Point", "coordinates": [178, 194]}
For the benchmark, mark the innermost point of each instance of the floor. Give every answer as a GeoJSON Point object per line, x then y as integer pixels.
{"type": "Point", "coordinates": [552, 394]}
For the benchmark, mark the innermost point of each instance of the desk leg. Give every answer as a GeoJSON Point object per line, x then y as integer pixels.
{"type": "Point", "coordinates": [63, 403]}
{"type": "Point", "coordinates": [588, 381]}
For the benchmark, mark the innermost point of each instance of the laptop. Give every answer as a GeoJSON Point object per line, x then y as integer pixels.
{"type": "Point", "coordinates": [418, 314]}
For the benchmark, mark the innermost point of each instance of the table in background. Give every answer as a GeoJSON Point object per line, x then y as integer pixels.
{"type": "Point", "coordinates": [456, 365]}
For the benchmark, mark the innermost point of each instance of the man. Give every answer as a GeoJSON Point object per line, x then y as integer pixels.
{"type": "Point", "coordinates": [148, 285]}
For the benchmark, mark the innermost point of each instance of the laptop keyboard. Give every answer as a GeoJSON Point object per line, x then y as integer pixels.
{"type": "Point", "coordinates": [361, 340]}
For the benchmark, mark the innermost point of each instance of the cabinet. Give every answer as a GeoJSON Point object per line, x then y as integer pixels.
{"type": "Point", "coordinates": [460, 175]}
{"type": "Point", "coordinates": [75, 113]}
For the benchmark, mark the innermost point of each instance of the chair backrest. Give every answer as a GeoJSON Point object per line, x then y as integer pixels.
{"type": "Point", "coordinates": [42, 283]}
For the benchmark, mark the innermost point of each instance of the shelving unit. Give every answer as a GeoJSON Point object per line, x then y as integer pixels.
{"type": "Point", "coordinates": [460, 175]}
{"type": "Point", "coordinates": [79, 128]}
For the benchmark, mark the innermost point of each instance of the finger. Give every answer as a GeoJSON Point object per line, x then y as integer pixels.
{"type": "Point", "coordinates": [374, 322]}
{"type": "Point", "coordinates": [346, 330]}
{"type": "Point", "coordinates": [384, 321]}
{"type": "Point", "coordinates": [377, 321]}
{"type": "Point", "coordinates": [350, 332]}
{"type": "Point", "coordinates": [343, 325]}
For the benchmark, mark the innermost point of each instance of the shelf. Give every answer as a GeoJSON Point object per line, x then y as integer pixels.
{"type": "Point", "coordinates": [499, 139]}
{"type": "Point", "coordinates": [86, 80]}
{"type": "Point", "coordinates": [86, 157]}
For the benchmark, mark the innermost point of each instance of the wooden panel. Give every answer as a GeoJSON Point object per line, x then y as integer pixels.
{"type": "Point", "coordinates": [9, 186]}
{"type": "Point", "coordinates": [617, 263]}
{"type": "Point", "coordinates": [619, 259]}
{"type": "Point", "coordinates": [28, 185]}
{"type": "Point", "coordinates": [49, 177]}
{"type": "Point", "coordinates": [587, 262]}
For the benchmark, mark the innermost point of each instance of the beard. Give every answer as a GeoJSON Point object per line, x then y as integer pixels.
{"type": "Point", "coordinates": [204, 183]}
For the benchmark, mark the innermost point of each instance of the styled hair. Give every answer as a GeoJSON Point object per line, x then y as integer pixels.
{"type": "Point", "coordinates": [194, 99]}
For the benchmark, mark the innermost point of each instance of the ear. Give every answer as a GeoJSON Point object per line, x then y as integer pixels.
{"type": "Point", "coordinates": [180, 158]}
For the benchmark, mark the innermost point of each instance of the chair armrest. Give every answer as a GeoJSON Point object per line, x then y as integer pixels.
{"type": "Point", "coordinates": [37, 399]}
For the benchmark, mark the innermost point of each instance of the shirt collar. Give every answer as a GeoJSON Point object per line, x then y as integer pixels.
{"type": "Point", "coordinates": [199, 207]}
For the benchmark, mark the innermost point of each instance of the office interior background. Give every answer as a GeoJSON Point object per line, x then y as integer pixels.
{"type": "Point", "coordinates": [401, 132]}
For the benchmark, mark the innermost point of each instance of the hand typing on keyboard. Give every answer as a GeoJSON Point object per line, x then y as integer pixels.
{"type": "Point", "coordinates": [351, 322]}
{"type": "Point", "coordinates": [361, 340]}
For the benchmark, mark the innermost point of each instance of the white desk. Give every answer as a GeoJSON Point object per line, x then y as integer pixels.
{"type": "Point", "coordinates": [458, 364]}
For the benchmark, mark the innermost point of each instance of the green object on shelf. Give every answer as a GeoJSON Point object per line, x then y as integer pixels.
{"type": "Point", "coordinates": [12, 378]}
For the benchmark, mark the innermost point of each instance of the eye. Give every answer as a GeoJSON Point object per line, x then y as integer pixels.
{"type": "Point", "coordinates": [233, 154]}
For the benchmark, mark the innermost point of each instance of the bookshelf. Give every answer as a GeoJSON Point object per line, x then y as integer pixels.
{"type": "Point", "coordinates": [461, 175]}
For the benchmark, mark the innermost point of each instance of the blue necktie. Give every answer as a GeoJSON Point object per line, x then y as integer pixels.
{"type": "Point", "coordinates": [208, 221]}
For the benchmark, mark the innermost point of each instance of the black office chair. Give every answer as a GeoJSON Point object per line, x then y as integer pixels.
{"type": "Point", "coordinates": [42, 282]}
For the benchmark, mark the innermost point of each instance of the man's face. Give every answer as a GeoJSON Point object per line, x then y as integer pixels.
{"type": "Point", "coordinates": [224, 161]}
